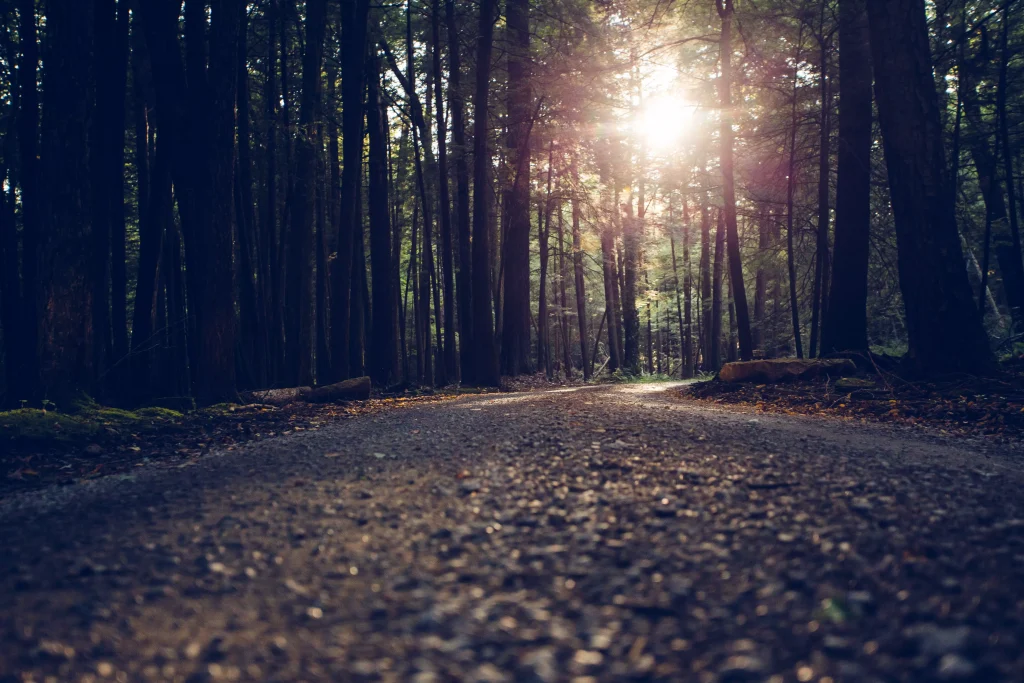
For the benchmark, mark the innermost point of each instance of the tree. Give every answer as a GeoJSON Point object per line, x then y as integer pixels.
{"type": "Point", "coordinates": [848, 295]}
{"type": "Point", "coordinates": [300, 294]}
{"type": "Point", "coordinates": [66, 292]}
{"type": "Point", "coordinates": [726, 12]}
{"type": "Point", "coordinates": [486, 373]}
{"type": "Point", "coordinates": [354, 18]}
{"type": "Point", "coordinates": [944, 329]}
{"type": "Point", "coordinates": [515, 267]}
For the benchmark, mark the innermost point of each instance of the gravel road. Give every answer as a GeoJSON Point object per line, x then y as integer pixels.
{"type": "Point", "coordinates": [596, 534]}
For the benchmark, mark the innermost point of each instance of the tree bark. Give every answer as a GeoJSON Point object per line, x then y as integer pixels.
{"type": "Point", "coordinates": [381, 352]}
{"type": "Point", "coordinates": [65, 276]}
{"type": "Point", "coordinates": [945, 332]}
{"type": "Point", "coordinates": [463, 264]}
{"type": "Point", "coordinates": [354, 19]}
{"type": "Point", "coordinates": [515, 249]}
{"type": "Point", "coordinates": [739, 296]}
{"type": "Point", "coordinates": [447, 266]}
{"type": "Point", "coordinates": [846, 327]}
{"type": "Point", "coordinates": [486, 370]}
{"type": "Point", "coordinates": [577, 267]}
{"type": "Point", "coordinates": [27, 355]}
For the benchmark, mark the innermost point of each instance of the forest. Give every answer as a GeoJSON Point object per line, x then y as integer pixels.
{"type": "Point", "coordinates": [204, 198]}
{"type": "Point", "coordinates": [579, 341]}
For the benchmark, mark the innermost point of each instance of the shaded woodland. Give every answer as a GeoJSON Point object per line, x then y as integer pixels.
{"type": "Point", "coordinates": [212, 196]}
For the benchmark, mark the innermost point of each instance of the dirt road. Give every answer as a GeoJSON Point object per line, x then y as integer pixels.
{"type": "Point", "coordinates": [607, 533]}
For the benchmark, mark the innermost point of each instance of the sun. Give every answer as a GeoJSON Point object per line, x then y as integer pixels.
{"type": "Point", "coordinates": [664, 120]}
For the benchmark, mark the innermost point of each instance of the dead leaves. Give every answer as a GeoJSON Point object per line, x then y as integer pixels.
{"type": "Point", "coordinates": [970, 407]}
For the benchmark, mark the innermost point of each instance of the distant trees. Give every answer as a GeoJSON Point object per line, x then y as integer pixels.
{"type": "Point", "coordinates": [203, 197]}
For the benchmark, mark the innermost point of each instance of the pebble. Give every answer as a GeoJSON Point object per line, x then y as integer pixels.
{"type": "Point", "coordinates": [953, 667]}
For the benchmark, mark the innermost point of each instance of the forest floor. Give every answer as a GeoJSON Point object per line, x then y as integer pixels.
{"type": "Point", "coordinates": [605, 533]}
{"type": "Point", "coordinates": [990, 408]}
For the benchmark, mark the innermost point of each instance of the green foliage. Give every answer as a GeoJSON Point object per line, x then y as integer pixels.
{"type": "Point", "coordinates": [620, 377]}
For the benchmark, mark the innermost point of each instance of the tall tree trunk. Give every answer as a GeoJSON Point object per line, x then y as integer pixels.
{"type": "Point", "coordinates": [11, 304]}
{"type": "Point", "coordinates": [846, 328]}
{"type": "Point", "coordinates": [544, 234]}
{"type": "Point", "coordinates": [252, 324]}
{"type": "Point", "coordinates": [563, 277]}
{"type": "Point", "coordinates": [65, 277]}
{"type": "Point", "coordinates": [998, 233]}
{"type": "Point", "coordinates": [462, 226]}
{"type": "Point", "coordinates": [215, 371]}
{"type": "Point", "coordinates": [27, 357]}
{"type": "Point", "coordinates": [715, 329]}
{"type": "Point", "coordinates": [300, 294]}
{"type": "Point", "coordinates": [709, 356]}
{"type": "Point", "coordinates": [447, 266]}
{"type": "Point", "coordinates": [577, 267]}
{"type": "Point", "coordinates": [107, 174]}
{"type": "Point", "coordinates": [945, 333]}
{"type": "Point", "coordinates": [270, 272]}
{"type": "Point", "coordinates": [1004, 144]}
{"type": "Point", "coordinates": [675, 286]}
{"type": "Point", "coordinates": [760, 281]}
{"type": "Point", "coordinates": [821, 257]}
{"type": "Point", "coordinates": [515, 342]}
{"type": "Point", "coordinates": [739, 296]}
{"type": "Point", "coordinates": [381, 352]}
{"type": "Point", "coordinates": [630, 314]}
{"type": "Point", "coordinates": [794, 304]}
{"type": "Point", "coordinates": [354, 19]}
{"type": "Point", "coordinates": [154, 210]}
{"type": "Point", "coordinates": [486, 369]}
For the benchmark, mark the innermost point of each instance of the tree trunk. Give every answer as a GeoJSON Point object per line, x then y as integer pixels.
{"type": "Point", "coordinates": [1007, 154]}
{"type": "Point", "coordinates": [300, 293]}
{"type": "Point", "coordinates": [381, 352]}
{"type": "Point", "coordinates": [65, 277]}
{"type": "Point", "coordinates": [515, 249]}
{"type": "Point", "coordinates": [110, 324]}
{"type": "Point", "coordinates": [486, 370]}
{"type": "Point", "coordinates": [457, 112]}
{"type": "Point", "coordinates": [354, 19]}
{"type": "Point", "coordinates": [794, 304]}
{"type": "Point", "coordinates": [846, 327]}
{"type": "Point", "coordinates": [27, 356]}
{"type": "Point", "coordinates": [630, 314]}
{"type": "Point", "coordinates": [739, 296]}
{"type": "Point", "coordinates": [945, 332]}
{"type": "Point", "coordinates": [715, 329]}
{"type": "Point", "coordinates": [821, 258]}
{"type": "Point", "coordinates": [252, 323]}
{"type": "Point", "coordinates": [447, 267]}
{"type": "Point", "coordinates": [577, 267]}
{"type": "Point", "coordinates": [709, 356]}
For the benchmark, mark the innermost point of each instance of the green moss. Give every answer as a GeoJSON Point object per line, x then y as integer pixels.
{"type": "Point", "coordinates": [33, 428]}
{"type": "Point", "coordinates": [46, 427]}
{"type": "Point", "coordinates": [220, 409]}
{"type": "Point", "coordinates": [156, 413]}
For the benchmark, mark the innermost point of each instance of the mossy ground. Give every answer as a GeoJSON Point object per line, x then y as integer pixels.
{"type": "Point", "coordinates": [86, 421]}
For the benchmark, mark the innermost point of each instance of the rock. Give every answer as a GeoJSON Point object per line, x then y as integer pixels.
{"type": "Point", "coordinates": [94, 449]}
{"type": "Point", "coordinates": [470, 486]}
{"type": "Point", "coordinates": [538, 666]}
{"type": "Point", "coordinates": [837, 645]}
{"type": "Point", "coordinates": [934, 641]}
{"type": "Point", "coordinates": [742, 668]}
{"type": "Point", "coordinates": [953, 667]}
{"type": "Point", "coordinates": [488, 673]}
{"type": "Point", "coordinates": [781, 369]}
